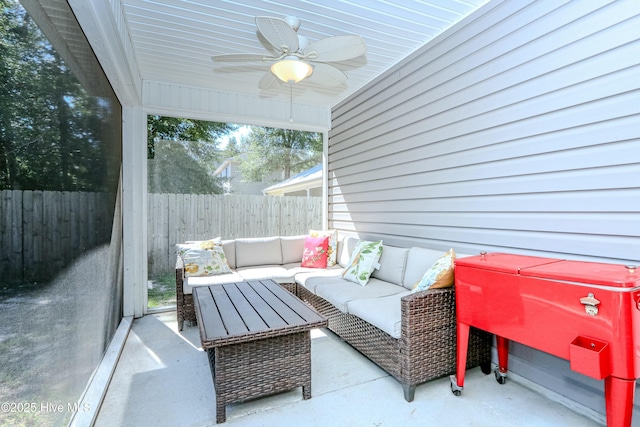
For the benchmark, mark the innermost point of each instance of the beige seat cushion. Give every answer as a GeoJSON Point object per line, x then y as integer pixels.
{"type": "Point", "coordinates": [263, 272]}
{"type": "Point", "coordinates": [310, 280]}
{"type": "Point", "coordinates": [341, 294]}
{"type": "Point", "coordinates": [384, 313]}
{"type": "Point", "coordinates": [190, 282]}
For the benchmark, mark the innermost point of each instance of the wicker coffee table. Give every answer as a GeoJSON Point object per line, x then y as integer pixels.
{"type": "Point", "coordinates": [256, 335]}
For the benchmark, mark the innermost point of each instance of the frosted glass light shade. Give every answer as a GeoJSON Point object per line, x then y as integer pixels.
{"type": "Point", "coordinates": [291, 70]}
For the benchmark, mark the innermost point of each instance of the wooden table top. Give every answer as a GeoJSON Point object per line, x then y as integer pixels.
{"type": "Point", "coordinates": [245, 311]}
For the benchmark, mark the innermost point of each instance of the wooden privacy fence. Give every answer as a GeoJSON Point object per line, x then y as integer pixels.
{"type": "Point", "coordinates": [175, 218]}
{"type": "Point", "coordinates": [41, 232]}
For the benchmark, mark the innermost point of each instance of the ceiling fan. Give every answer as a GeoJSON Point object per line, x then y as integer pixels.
{"type": "Point", "coordinates": [294, 59]}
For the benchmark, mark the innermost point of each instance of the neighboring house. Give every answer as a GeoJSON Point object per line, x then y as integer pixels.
{"type": "Point", "coordinates": [234, 184]}
{"type": "Point", "coordinates": [306, 183]}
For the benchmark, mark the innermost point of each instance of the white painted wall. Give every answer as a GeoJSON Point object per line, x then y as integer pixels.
{"type": "Point", "coordinates": [515, 131]}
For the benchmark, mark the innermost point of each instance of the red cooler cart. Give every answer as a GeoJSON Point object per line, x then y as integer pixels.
{"type": "Point", "coordinates": [584, 312]}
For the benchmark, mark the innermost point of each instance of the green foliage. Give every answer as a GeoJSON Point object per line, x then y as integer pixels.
{"type": "Point", "coordinates": [273, 150]}
{"type": "Point", "coordinates": [178, 129]}
{"type": "Point", "coordinates": [183, 154]}
{"type": "Point", "coordinates": [232, 149]}
{"type": "Point", "coordinates": [53, 135]}
{"type": "Point", "coordinates": [176, 169]}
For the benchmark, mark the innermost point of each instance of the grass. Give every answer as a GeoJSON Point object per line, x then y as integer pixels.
{"type": "Point", "coordinates": [161, 290]}
{"type": "Point", "coordinates": [38, 355]}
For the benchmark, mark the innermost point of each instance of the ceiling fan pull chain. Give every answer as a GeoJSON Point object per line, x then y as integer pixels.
{"type": "Point", "coordinates": [291, 102]}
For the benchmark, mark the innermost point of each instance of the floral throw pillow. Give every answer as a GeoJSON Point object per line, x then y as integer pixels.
{"type": "Point", "coordinates": [439, 275]}
{"type": "Point", "coordinates": [203, 262]}
{"type": "Point", "coordinates": [205, 244]}
{"type": "Point", "coordinates": [363, 261]}
{"type": "Point", "coordinates": [315, 252]}
{"type": "Point", "coordinates": [332, 248]}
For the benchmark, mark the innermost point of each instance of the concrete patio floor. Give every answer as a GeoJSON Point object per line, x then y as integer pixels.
{"type": "Point", "coordinates": [163, 379]}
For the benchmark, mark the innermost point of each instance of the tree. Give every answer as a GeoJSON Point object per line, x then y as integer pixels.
{"type": "Point", "coordinates": [183, 154]}
{"type": "Point", "coordinates": [272, 150]}
{"type": "Point", "coordinates": [174, 170]}
{"type": "Point", "coordinates": [233, 148]}
{"type": "Point", "coordinates": [178, 129]}
{"type": "Point", "coordinates": [53, 134]}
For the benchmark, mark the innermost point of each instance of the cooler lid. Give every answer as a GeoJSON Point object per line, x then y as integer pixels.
{"type": "Point", "coordinates": [505, 263]}
{"type": "Point", "coordinates": [615, 275]}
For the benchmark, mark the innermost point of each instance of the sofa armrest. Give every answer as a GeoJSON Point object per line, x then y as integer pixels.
{"type": "Point", "coordinates": [179, 271]}
{"type": "Point", "coordinates": [428, 336]}
{"type": "Point", "coordinates": [180, 292]}
{"type": "Point", "coordinates": [432, 308]}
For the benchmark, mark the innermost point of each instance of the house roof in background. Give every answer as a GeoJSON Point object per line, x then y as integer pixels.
{"type": "Point", "coordinates": [309, 178]}
{"type": "Point", "coordinates": [224, 164]}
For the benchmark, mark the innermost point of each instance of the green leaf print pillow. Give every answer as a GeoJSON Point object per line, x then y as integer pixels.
{"type": "Point", "coordinates": [363, 261]}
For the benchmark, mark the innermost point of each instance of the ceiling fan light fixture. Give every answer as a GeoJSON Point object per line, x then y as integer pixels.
{"type": "Point", "coordinates": [291, 69]}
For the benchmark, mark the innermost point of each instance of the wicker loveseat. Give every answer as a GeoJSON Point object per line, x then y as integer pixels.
{"type": "Point", "coordinates": [411, 335]}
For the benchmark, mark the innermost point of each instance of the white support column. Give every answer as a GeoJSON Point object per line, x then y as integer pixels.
{"type": "Point", "coordinates": [325, 180]}
{"type": "Point", "coordinates": [134, 210]}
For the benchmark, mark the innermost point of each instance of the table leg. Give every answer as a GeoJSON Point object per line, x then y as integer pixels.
{"type": "Point", "coordinates": [619, 394]}
{"type": "Point", "coordinates": [306, 388]}
{"type": "Point", "coordinates": [221, 412]}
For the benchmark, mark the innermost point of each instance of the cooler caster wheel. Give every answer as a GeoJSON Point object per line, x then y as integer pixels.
{"type": "Point", "coordinates": [501, 377]}
{"type": "Point", "coordinates": [455, 388]}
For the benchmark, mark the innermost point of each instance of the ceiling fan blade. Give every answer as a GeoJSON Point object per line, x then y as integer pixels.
{"type": "Point", "coordinates": [337, 48]}
{"type": "Point", "coordinates": [327, 75]}
{"type": "Point", "coordinates": [269, 81]}
{"type": "Point", "coordinates": [241, 57]}
{"type": "Point", "coordinates": [277, 32]}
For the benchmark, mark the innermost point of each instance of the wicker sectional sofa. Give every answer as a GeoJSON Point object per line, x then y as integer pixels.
{"type": "Point", "coordinates": [411, 335]}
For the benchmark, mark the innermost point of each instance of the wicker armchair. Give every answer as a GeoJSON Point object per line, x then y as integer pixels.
{"type": "Point", "coordinates": [426, 349]}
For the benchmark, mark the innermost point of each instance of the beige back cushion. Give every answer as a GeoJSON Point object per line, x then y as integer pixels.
{"type": "Point", "coordinates": [229, 248]}
{"type": "Point", "coordinates": [419, 260]}
{"type": "Point", "coordinates": [292, 248]}
{"type": "Point", "coordinates": [392, 264]}
{"type": "Point", "coordinates": [258, 251]}
{"type": "Point", "coordinates": [345, 247]}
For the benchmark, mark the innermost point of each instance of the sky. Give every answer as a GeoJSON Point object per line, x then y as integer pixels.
{"type": "Point", "coordinates": [243, 130]}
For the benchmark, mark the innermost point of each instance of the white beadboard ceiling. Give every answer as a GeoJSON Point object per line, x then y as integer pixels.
{"type": "Point", "coordinates": [173, 40]}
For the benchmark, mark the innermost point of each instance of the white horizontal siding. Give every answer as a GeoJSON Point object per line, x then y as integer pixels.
{"type": "Point", "coordinates": [516, 131]}
{"type": "Point", "coordinates": [524, 109]}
